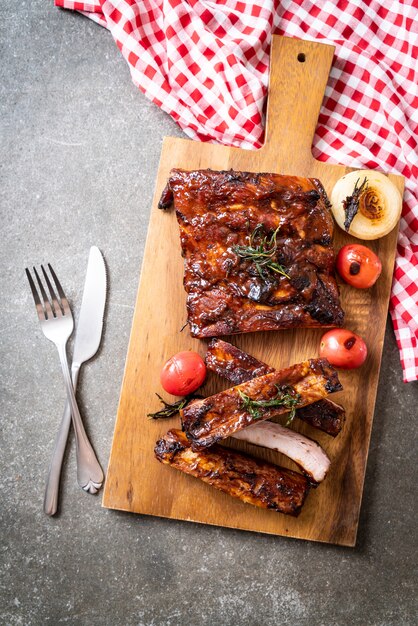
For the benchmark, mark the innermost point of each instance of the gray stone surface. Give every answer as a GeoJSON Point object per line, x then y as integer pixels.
{"type": "Point", "coordinates": [80, 148]}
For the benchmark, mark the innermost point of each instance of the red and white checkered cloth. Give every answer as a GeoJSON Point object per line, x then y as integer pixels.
{"type": "Point", "coordinates": [205, 62]}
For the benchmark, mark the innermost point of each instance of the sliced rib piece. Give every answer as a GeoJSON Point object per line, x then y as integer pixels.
{"type": "Point", "coordinates": [223, 213]}
{"type": "Point", "coordinates": [237, 366]}
{"type": "Point", "coordinates": [251, 480]}
{"type": "Point", "coordinates": [232, 363]}
{"type": "Point", "coordinates": [325, 415]}
{"type": "Point", "coordinates": [219, 416]}
{"type": "Point", "coordinates": [303, 451]}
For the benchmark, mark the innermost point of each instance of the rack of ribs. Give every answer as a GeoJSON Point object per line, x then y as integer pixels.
{"type": "Point", "coordinates": [258, 251]}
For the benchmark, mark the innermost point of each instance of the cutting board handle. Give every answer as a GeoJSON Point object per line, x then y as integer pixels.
{"type": "Point", "coordinates": [298, 76]}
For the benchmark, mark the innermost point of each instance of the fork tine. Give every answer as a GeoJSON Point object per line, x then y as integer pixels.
{"type": "Point", "coordinates": [64, 301]}
{"type": "Point", "coordinates": [55, 302]}
{"type": "Point", "coordinates": [47, 305]}
{"type": "Point", "coordinates": [38, 304]}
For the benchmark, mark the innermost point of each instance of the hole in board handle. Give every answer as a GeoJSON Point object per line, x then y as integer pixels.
{"type": "Point", "coordinates": [301, 57]}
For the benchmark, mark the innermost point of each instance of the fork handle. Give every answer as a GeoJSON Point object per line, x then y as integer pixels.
{"type": "Point", "coordinates": [90, 475]}
{"type": "Point", "coordinates": [55, 466]}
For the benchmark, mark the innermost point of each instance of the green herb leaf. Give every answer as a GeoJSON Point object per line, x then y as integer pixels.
{"type": "Point", "coordinates": [261, 251]}
{"type": "Point", "coordinates": [170, 409]}
{"type": "Point", "coordinates": [285, 397]}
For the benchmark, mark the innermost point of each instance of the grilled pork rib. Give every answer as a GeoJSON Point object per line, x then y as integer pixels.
{"type": "Point", "coordinates": [216, 417]}
{"type": "Point", "coordinates": [305, 452]}
{"type": "Point", "coordinates": [220, 214]}
{"type": "Point", "coordinates": [234, 364]}
{"type": "Point", "coordinates": [237, 366]}
{"type": "Point", "coordinates": [325, 415]}
{"type": "Point", "coordinates": [251, 480]}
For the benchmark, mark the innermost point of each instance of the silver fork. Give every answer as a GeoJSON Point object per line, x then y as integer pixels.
{"type": "Point", "coordinates": [57, 325]}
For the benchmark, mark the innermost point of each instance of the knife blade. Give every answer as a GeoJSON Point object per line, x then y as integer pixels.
{"type": "Point", "coordinates": [90, 323]}
{"type": "Point", "coordinates": [87, 341]}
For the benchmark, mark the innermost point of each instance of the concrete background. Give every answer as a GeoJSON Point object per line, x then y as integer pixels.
{"type": "Point", "coordinates": [80, 149]}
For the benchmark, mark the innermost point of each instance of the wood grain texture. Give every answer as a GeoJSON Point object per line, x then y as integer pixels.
{"type": "Point", "coordinates": [135, 480]}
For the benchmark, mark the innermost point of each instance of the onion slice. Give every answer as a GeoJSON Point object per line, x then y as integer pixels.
{"type": "Point", "coordinates": [379, 204]}
{"type": "Point", "coordinates": [303, 451]}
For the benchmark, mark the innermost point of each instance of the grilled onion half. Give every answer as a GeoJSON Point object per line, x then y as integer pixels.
{"type": "Point", "coordinates": [366, 204]}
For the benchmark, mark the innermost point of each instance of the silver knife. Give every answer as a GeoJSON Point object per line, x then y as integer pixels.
{"type": "Point", "coordinates": [87, 341]}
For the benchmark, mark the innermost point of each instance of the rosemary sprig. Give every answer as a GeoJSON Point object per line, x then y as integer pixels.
{"type": "Point", "coordinates": [351, 203]}
{"type": "Point", "coordinates": [170, 409]}
{"type": "Point", "coordinates": [261, 251]}
{"type": "Point", "coordinates": [285, 397]}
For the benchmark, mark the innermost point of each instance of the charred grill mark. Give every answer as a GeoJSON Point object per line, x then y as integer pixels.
{"type": "Point", "coordinates": [323, 307]}
{"type": "Point", "coordinates": [251, 480]}
{"type": "Point", "coordinates": [199, 415]}
{"type": "Point", "coordinates": [233, 364]}
{"type": "Point", "coordinates": [324, 415]}
{"type": "Point", "coordinates": [168, 448]}
{"type": "Point", "coordinates": [325, 240]}
{"type": "Point", "coordinates": [329, 373]}
{"type": "Point", "coordinates": [322, 193]}
{"type": "Point", "coordinates": [166, 199]}
{"type": "Point", "coordinates": [308, 197]}
{"type": "Point", "coordinates": [333, 384]}
{"type": "Point", "coordinates": [301, 282]}
{"type": "Point", "coordinates": [230, 176]}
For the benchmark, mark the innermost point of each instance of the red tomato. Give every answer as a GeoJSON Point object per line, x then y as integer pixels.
{"type": "Point", "coordinates": [343, 348]}
{"type": "Point", "coordinates": [359, 266]}
{"type": "Point", "coordinates": [183, 373]}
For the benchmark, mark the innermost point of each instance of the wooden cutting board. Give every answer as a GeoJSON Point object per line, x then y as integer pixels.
{"type": "Point", "coordinates": [135, 480]}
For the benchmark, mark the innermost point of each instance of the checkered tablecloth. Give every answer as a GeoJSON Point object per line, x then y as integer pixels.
{"type": "Point", "coordinates": [205, 62]}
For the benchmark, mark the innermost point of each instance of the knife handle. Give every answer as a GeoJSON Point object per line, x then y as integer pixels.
{"type": "Point", "coordinates": [54, 472]}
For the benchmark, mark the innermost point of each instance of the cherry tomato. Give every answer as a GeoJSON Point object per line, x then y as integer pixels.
{"type": "Point", "coordinates": [183, 373]}
{"type": "Point", "coordinates": [343, 348]}
{"type": "Point", "coordinates": [359, 266]}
